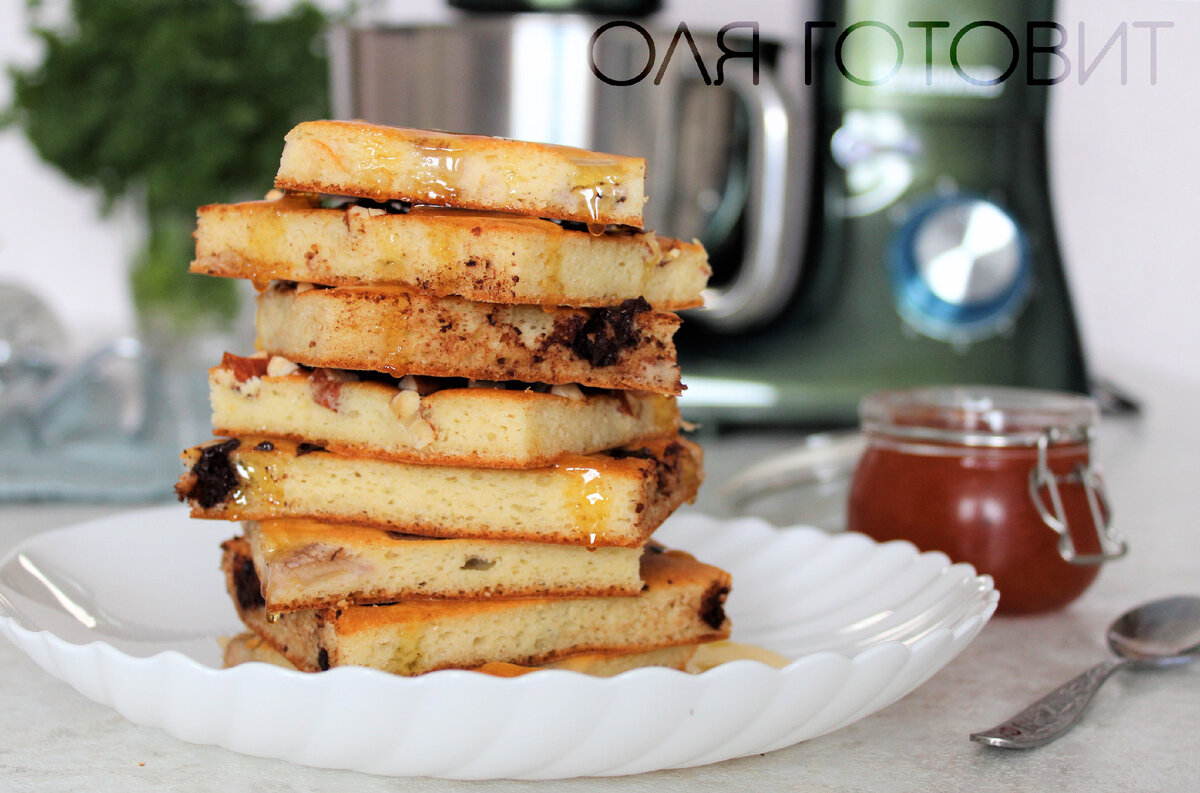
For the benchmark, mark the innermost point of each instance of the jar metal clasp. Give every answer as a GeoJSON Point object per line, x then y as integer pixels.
{"type": "Point", "coordinates": [1112, 544]}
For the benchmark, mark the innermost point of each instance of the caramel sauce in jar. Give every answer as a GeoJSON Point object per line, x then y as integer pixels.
{"type": "Point", "coordinates": [1000, 478]}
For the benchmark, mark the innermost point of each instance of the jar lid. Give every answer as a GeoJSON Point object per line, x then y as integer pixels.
{"type": "Point", "coordinates": [995, 416]}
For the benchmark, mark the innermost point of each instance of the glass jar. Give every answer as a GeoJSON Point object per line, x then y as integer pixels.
{"type": "Point", "coordinates": [1001, 478]}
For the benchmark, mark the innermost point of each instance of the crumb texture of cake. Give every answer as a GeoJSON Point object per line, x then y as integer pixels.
{"type": "Point", "coordinates": [304, 564]}
{"type": "Point", "coordinates": [483, 427]}
{"type": "Point", "coordinates": [486, 257]}
{"type": "Point", "coordinates": [248, 647]}
{"type": "Point", "coordinates": [614, 499]}
{"type": "Point", "coordinates": [601, 664]}
{"type": "Point", "coordinates": [682, 604]}
{"type": "Point", "coordinates": [389, 330]}
{"type": "Point", "coordinates": [355, 158]}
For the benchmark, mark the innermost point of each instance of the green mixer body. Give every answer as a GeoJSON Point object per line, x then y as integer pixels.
{"type": "Point", "coordinates": [932, 255]}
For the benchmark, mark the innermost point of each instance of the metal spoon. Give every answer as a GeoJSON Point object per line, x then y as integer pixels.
{"type": "Point", "coordinates": [1160, 633]}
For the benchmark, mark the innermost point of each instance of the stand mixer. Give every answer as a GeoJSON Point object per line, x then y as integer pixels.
{"type": "Point", "coordinates": [933, 255]}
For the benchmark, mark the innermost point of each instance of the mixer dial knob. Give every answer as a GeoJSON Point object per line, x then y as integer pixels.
{"type": "Point", "coordinates": [960, 269]}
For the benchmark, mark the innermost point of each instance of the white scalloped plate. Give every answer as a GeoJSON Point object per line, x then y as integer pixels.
{"type": "Point", "coordinates": [128, 609]}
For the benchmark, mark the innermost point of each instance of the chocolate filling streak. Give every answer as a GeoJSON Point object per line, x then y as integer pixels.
{"type": "Point", "coordinates": [601, 336]}
{"type": "Point", "coordinates": [712, 606]}
{"type": "Point", "coordinates": [212, 477]}
{"type": "Point", "coordinates": [397, 207]}
{"type": "Point", "coordinates": [641, 453]}
{"type": "Point", "coordinates": [664, 466]}
{"type": "Point", "coordinates": [246, 586]}
{"type": "Point", "coordinates": [392, 206]}
{"type": "Point", "coordinates": [245, 368]}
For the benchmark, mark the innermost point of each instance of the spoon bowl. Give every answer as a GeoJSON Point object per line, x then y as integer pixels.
{"type": "Point", "coordinates": [1160, 633]}
{"type": "Point", "coordinates": [1156, 634]}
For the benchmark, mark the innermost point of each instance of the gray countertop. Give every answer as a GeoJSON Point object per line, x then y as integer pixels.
{"type": "Point", "coordinates": [1138, 735]}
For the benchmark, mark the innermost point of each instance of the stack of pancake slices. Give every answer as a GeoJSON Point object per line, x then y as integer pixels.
{"type": "Point", "coordinates": [460, 429]}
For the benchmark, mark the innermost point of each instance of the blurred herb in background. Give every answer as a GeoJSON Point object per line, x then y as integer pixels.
{"type": "Point", "coordinates": [178, 103]}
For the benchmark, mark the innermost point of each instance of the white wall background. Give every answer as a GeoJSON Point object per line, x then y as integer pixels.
{"type": "Point", "coordinates": [1126, 166]}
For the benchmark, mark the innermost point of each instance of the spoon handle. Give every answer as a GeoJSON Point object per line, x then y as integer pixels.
{"type": "Point", "coordinates": [1052, 715]}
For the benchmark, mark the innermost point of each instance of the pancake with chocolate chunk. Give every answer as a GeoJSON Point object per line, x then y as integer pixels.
{"type": "Point", "coordinates": [355, 158]}
{"type": "Point", "coordinates": [616, 498]}
{"type": "Point", "coordinates": [439, 421]}
{"type": "Point", "coordinates": [305, 564]}
{"type": "Point", "coordinates": [682, 604]}
{"type": "Point", "coordinates": [385, 329]}
{"type": "Point", "coordinates": [485, 256]}
{"type": "Point", "coordinates": [248, 647]}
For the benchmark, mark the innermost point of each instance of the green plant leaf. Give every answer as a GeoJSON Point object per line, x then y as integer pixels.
{"type": "Point", "coordinates": [184, 103]}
